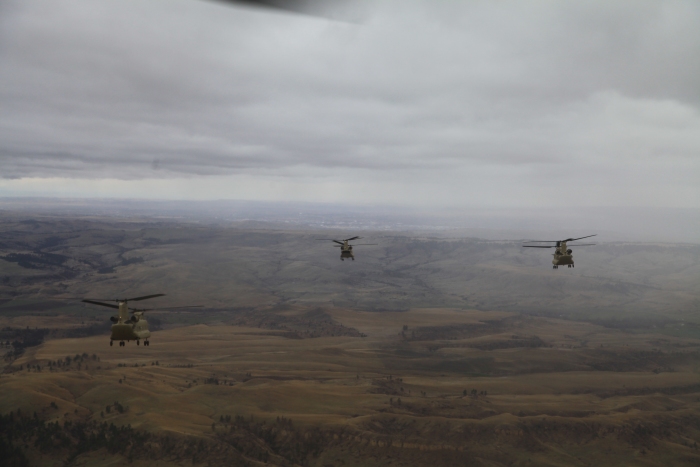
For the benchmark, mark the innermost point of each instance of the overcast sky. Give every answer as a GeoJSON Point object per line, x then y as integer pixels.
{"type": "Point", "coordinates": [443, 104]}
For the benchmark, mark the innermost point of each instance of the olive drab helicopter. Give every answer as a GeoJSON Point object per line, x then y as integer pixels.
{"type": "Point", "coordinates": [345, 247]}
{"type": "Point", "coordinates": [562, 254]}
{"type": "Point", "coordinates": [126, 328]}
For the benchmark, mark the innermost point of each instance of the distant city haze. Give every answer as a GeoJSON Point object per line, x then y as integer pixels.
{"type": "Point", "coordinates": [610, 224]}
{"type": "Point", "coordinates": [508, 115]}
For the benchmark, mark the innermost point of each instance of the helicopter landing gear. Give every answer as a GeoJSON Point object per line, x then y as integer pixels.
{"type": "Point", "coordinates": [353, 259]}
{"type": "Point", "coordinates": [569, 266]}
{"type": "Point", "coordinates": [122, 344]}
{"type": "Point", "coordinates": [146, 343]}
{"type": "Point", "coordinates": [138, 342]}
{"type": "Point", "coordinates": [111, 343]}
{"type": "Point", "coordinates": [555, 267]}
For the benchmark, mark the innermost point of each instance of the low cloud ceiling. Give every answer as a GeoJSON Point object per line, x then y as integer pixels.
{"type": "Point", "coordinates": [506, 103]}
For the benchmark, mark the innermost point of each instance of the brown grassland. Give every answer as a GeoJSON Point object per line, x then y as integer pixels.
{"type": "Point", "coordinates": [422, 352]}
{"type": "Point", "coordinates": [579, 395]}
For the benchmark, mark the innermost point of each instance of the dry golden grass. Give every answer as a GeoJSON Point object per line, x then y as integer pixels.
{"type": "Point", "coordinates": [531, 410]}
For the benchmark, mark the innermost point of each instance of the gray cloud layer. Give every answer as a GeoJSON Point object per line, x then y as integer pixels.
{"type": "Point", "coordinates": [587, 97]}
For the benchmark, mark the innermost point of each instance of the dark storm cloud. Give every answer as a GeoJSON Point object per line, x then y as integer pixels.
{"type": "Point", "coordinates": [429, 89]}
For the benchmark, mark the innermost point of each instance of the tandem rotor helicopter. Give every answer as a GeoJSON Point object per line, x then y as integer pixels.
{"type": "Point", "coordinates": [132, 328]}
{"type": "Point", "coordinates": [345, 247]}
{"type": "Point", "coordinates": [562, 254]}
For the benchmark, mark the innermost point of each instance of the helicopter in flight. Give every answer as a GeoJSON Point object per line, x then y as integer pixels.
{"type": "Point", "coordinates": [345, 247]}
{"type": "Point", "coordinates": [562, 254]}
{"type": "Point", "coordinates": [127, 328]}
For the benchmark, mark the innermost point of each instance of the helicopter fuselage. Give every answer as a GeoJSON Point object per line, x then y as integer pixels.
{"type": "Point", "coordinates": [129, 329]}
{"type": "Point", "coordinates": [562, 256]}
{"type": "Point", "coordinates": [562, 259]}
{"type": "Point", "coordinates": [346, 251]}
{"type": "Point", "coordinates": [345, 247]}
{"type": "Point", "coordinates": [130, 332]}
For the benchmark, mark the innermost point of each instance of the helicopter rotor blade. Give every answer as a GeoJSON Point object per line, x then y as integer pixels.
{"type": "Point", "coordinates": [353, 238]}
{"type": "Point", "coordinates": [361, 244]}
{"type": "Point", "coordinates": [145, 297]}
{"type": "Point", "coordinates": [132, 310]}
{"type": "Point", "coordinates": [94, 302]}
{"type": "Point", "coordinates": [585, 244]}
{"type": "Point", "coordinates": [345, 10]}
{"type": "Point", "coordinates": [554, 241]}
{"type": "Point", "coordinates": [580, 238]}
{"type": "Point", "coordinates": [538, 246]}
{"type": "Point", "coordinates": [338, 242]}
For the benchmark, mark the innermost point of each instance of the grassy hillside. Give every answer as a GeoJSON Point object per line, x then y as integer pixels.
{"type": "Point", "coordinates": [422, 351]}
{"type": "Point", "coordinates": [237, 267]}
{"type": "Point", "coordinates": [423, 387]}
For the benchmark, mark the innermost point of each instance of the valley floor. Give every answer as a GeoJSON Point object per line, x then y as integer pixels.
{"type": "Point", "coordinates": [422, 387]}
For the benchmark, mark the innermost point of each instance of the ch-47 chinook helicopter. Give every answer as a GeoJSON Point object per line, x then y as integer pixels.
{"type": "Point", "coordinates": [562, 254]}
{"type": "Point", "coordinates": [345, 247]}
{"type": "Point", "coordinates": [127, 328]}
